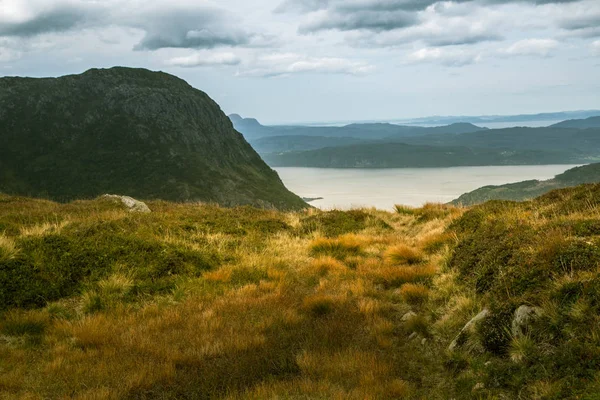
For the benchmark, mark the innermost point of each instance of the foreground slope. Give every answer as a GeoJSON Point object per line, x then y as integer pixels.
{"type": "Point", "coordinates": [527, 190]}
{"type": "Point", "coordinates": [127, 131]}
{"type": "Point", "coordinates": [197, 301]}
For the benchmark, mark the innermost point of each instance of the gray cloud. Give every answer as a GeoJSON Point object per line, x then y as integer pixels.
{"type": "Point", "coordinates": [205, 28]}
{"type": "Point", "coordinates": [60, 18]}
{"type": "Point", "coordinates": [374, 21]}
{"type": "Point", "coordinates": [584, 25]}
{"type": "Point", "coordinates": [387, 5]}
{"type": "Point", "coordinates": [175, 24]}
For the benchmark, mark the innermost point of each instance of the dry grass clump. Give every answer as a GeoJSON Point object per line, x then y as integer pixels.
{"type": "Point", "coordinates": [392, 276]}
{"type": "Point", "coordinates": [414, 294]}
{"type": "Point", "coordinates": [521, 349]}
{"type": "Point", "coordinates": [321, 304]}
{"type": "Point", "coordinates": [434, 242]}
{"type": "Point", "coordinates": [429, 211]}
{"type": "Point", "coordinates": [327, 265]}
{"type": "Point", "coordinates": [339, 248]}
{"type": "Point", "coordinates": [403, 254]}
{"type": "Point", "coordinates": [8, 248]}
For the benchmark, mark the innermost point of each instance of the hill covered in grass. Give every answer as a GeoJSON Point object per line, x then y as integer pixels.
{"type": "Point", "coordinates": [402, 155]}
{"type": "Point", "coordinates": [527, 190]}
{"type": "Point", "coordinates": [198, 301]}
{"type": "Point", "coordinates": [591, 122]}
{"type": "Point", "coordinates": [128, 131]}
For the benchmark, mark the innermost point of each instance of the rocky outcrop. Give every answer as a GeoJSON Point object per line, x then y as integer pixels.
{"type": "Point", "coordinates": [523, 318]}
{"type": "Point", "coordinates": [124, 130]}
{"type": "Point", "coordinates": [132, 204]}
{"type": "Point", "coordinates": [468, 329]}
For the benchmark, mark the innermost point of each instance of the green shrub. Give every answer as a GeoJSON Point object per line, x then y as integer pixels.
{"type": "Point", "coordinates": [336, 223]}
{"type": "Point", "coordinates": [494, 330]}
{"type": "Point", "coordinates": [54, 266]}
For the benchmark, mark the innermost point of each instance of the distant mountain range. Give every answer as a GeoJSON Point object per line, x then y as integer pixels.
{"type": "Point", "coordinates": [527, 190]}
{"type": "Point", "coordinates": [487, 119]}
{"type": "Point", "coordinates": [131, 132]}
{"type": "Point", "coordinates": [394, 146]}
{"type": "Point", "coordinates": [253, 130]}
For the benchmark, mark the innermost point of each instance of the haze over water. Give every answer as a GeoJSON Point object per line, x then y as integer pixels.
{"type": "Point", "coordinates": [383, 188]}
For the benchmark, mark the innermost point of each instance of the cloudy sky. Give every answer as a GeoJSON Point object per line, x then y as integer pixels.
{"type": "Point", "coordinates": [327, 60]}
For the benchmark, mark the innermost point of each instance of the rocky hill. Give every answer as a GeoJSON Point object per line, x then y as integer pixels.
{"type": "Point", "coordinates": [129, 131]}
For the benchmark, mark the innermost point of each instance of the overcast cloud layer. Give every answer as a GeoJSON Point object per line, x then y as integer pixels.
{"type": "Point", "coordinates": [327, 60]}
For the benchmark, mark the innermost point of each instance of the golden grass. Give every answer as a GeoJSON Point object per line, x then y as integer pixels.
{"type": "Point", "coordinates": [8, 248]}
{"type": "Point", "coordinates": [395, 276]}
{"type": "Point", "coordinates": [340, 248]}
{"type": "Point", "coordinates": [327, 265]}
{"type": "Point", "coordinates": [283, 316]}
{"type": "Point", "coordinates": [435, 242]}
{"type": "Point", "coordinates": [403, 254]}
{"type": "Point", "coordinates": [414, 294]}
{"type": "Point", "coordinates": [43, 229]}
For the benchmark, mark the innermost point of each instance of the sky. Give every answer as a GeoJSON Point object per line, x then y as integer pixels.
{"type": "Point", "coordinates": [294, 61]}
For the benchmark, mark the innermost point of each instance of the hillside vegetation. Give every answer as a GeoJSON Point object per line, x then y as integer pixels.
{"type": "Point", "coordinates": [401, 155]}
{"type": "Point", "coordinates": [197, 301]}
{"type": "Point", "coordinates": [127, 131]}
{"type": "Point", "coordinates": [527, 190]}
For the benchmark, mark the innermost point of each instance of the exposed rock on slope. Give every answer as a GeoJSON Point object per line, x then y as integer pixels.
{"type": "Point", "coordinates": [145, 134]}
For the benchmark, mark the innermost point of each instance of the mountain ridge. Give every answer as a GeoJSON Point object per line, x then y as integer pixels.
{"type": "Point", "coordinates": [129, 131]}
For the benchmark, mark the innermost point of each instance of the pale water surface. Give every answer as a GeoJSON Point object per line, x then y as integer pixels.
{"type": "Point", "coordinates": [383, 188]}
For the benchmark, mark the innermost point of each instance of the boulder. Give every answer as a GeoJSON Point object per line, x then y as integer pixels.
{"type": "Point", "coordinates": [409, 315]}
{"type": "Point", "coordinates": [468, 329]}
{"type": "Point", "coordinates": [132, 204]}
{"type": "Point", "coordinates": [523, 318]}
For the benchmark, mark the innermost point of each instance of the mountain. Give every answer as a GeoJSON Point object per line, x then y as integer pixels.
{"type": "Point", "coordinates": [522, 118]}
{"type": "Point", "coordinates": [281, 144]}
{"type": "Point", "coordinates": [401, 155]}
{"type": "Point", "coordinates": [592, 122]}
{"type": "Point", "coordinates": [127, 131]}
{"type": "Point", "coordinates": [253, 130]}
{"type": "Point", "coordinates": [583, 141]}
{"type": "Point", "coordinates": [527, 190]}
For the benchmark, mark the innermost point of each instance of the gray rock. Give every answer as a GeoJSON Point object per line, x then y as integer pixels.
{"type": "Point", "coordinates": [132, 204]}
{"type": "Point", "coordinates": [408, 315]}
{"type": "Point", "coordinates": [523, 318]}
{"type": "Point", "coordinates": [468, 328]}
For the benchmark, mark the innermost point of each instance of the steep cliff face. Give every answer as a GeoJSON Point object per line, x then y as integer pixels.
{"type": "Point", "coordinates": [128, 131]}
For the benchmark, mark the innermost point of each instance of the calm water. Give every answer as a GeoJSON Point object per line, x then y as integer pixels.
{"type": "Point", "coordinates": [382, 188]}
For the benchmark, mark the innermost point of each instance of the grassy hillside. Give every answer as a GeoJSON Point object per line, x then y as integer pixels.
{"type": "Point", "coordinates": [401, 155]}
{"type": "Point", "coordinates": [591, 122]}
{"type": "Point", "coordinates": [196, 301]}
{"type": "Point", "coordinates": [527, 190]}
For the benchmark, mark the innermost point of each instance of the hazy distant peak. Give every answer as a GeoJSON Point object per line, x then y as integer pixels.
{"type": "Point", "coordinates": [591, 122]}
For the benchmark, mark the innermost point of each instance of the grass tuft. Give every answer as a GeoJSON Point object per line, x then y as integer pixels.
{"type": "Point", "coordinates": [414, 294]}
{"type": "Point", "coordinates": [339, 248]}
{"type": "Point", "coordinates": [403, 254]}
